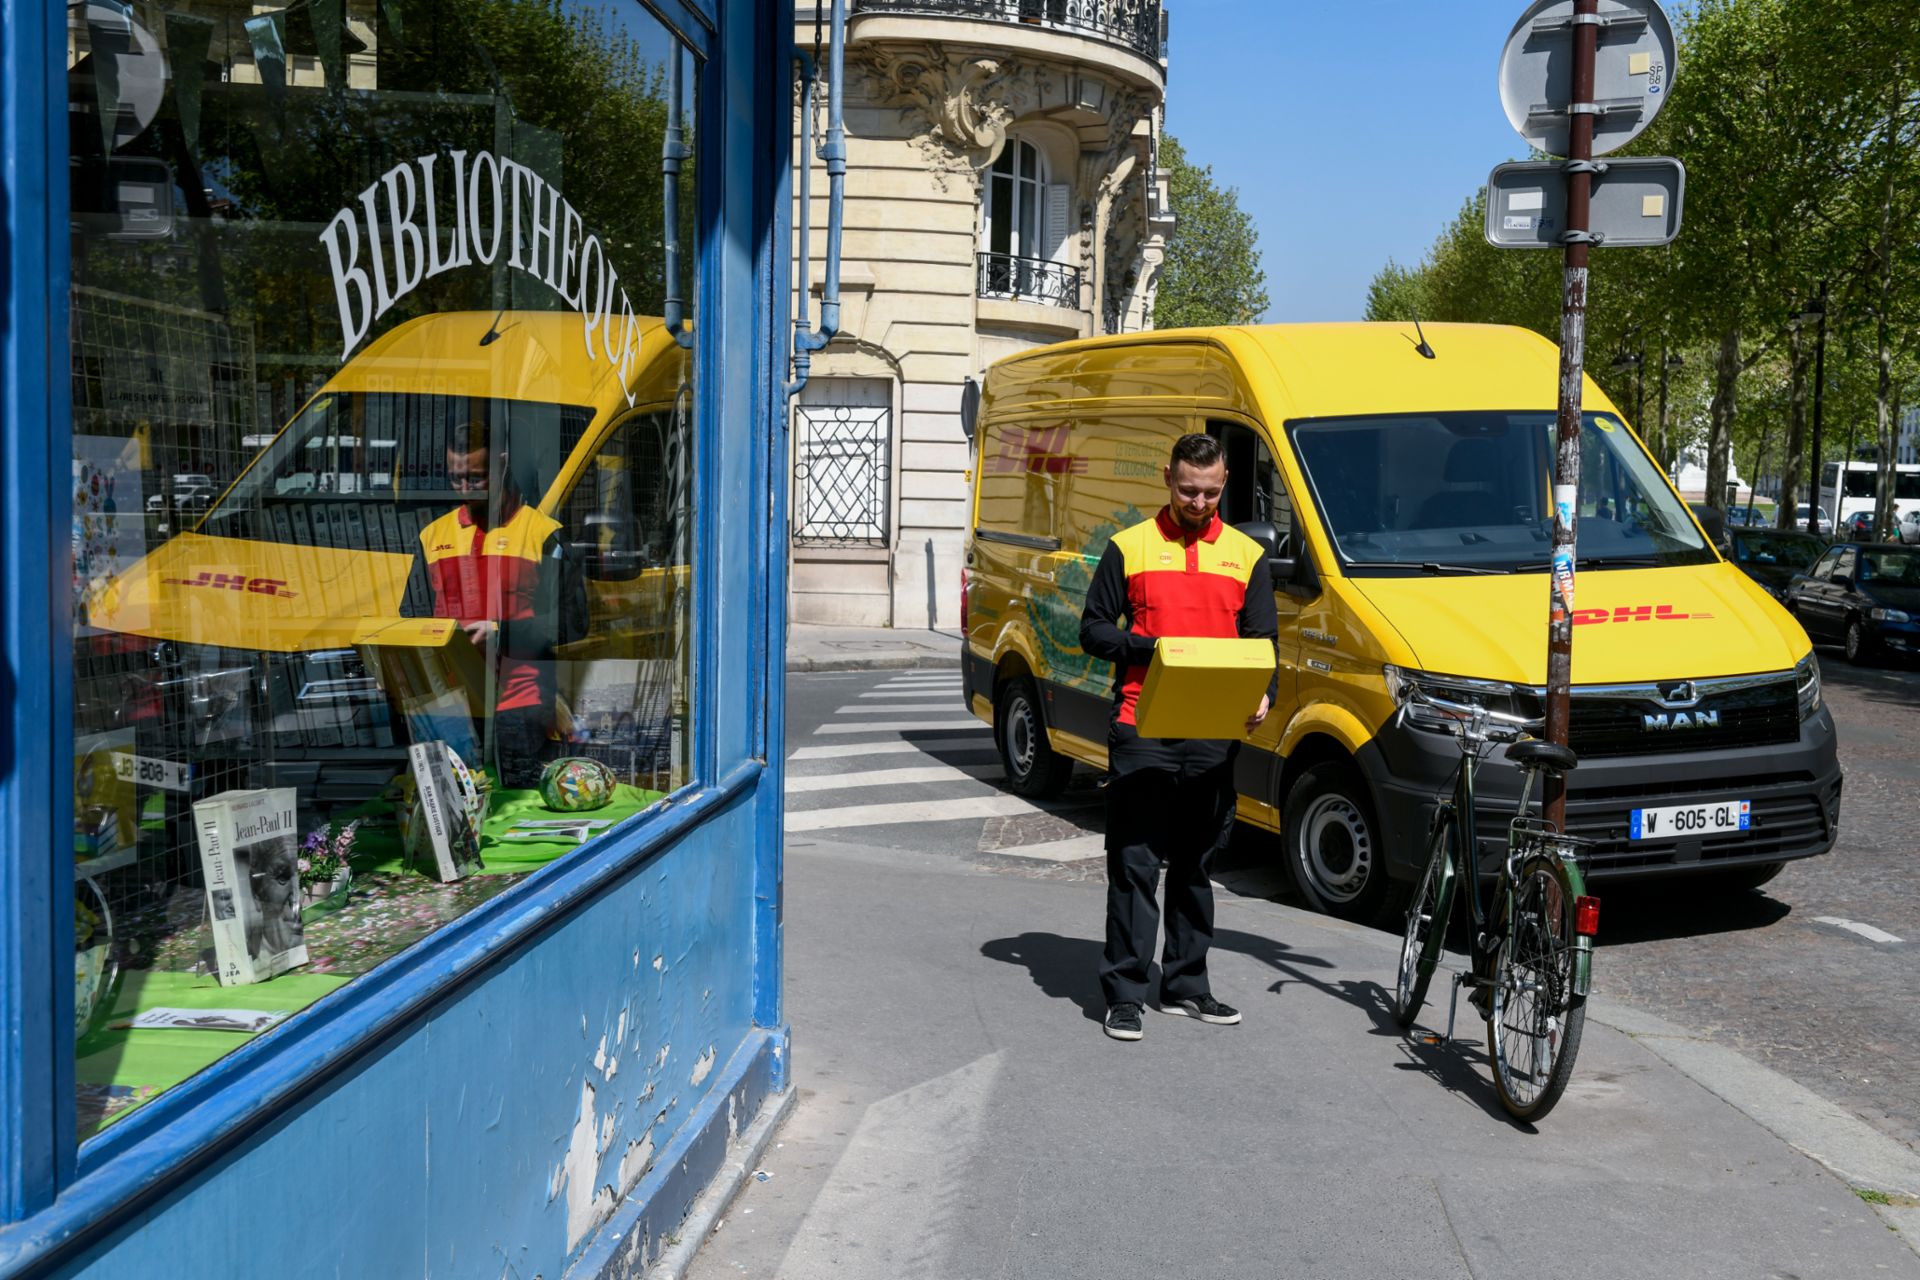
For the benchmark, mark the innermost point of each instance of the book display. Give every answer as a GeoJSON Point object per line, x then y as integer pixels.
{"type": "Point", "coordinates": [249, 853]}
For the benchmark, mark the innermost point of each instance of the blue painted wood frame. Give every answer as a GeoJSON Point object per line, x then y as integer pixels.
{"type": "Point", "coordinates": [742, 286]}
{"type": "Point", "coordinates": [36, 919]}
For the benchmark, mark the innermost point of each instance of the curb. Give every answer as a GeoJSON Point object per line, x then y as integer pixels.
{"type": "Point", "coordinates": [709, 1211]}
{"type": "Point", "coordinates": [931, 662]}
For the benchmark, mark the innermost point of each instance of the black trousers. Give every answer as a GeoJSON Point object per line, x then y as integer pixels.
{"type": "Point", "coordinates": [1156, 815]}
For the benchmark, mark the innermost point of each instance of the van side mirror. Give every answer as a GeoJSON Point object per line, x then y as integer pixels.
{"type": "Point", "coordinates": [1293, 573]}
{"type": "Point", "coordinates": [969, 408]}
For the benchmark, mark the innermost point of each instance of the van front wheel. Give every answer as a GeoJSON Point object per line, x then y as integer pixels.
{"type": "Point", "coordinates": [1334, 853]}
{"type": "Point", "coordinates": [1034, 768]}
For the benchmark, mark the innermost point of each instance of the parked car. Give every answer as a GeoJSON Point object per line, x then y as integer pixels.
{"type": "Point", "coordinates": [1866, 596]}
{"type": "Point", "coordinates": [1800, 518]}
{"type": "Point", "coordinates": [1858, 527]}
{"type": "Point", "coordinates": [192, 491]}
{"type": "Point", "coordinates": [1774, 557]}
{"type": "Point", "coordinates": [1908, 530]}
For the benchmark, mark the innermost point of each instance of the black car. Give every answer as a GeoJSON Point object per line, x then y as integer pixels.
{"type": "Point", "coordinates": [1774, 557]}
{"type": "Point", "coordinates": [1864, 595]}
{"type": "Point", "coordinates": [1858, 527]}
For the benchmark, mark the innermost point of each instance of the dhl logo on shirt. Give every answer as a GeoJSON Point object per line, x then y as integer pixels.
{"type": "Point", "coordinates": [1036, 451]}
{"type": "Point", "coordinates": [235, 582]}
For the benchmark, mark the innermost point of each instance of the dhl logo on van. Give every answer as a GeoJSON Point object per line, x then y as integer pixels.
{"type": "Point", "coordinates": [1634, 613]}
{"type": "Point", "coordinates": [1036, 451]}
{"type": "Point", "coordinates": [234, 582]}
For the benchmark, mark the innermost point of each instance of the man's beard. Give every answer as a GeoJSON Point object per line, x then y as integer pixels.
{"type": "Point", "coordinates": [1189, 522]}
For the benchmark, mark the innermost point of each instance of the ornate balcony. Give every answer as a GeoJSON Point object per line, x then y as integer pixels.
{"type": "Point", "coordinates": [1054, 284]}
{"type": "Point", "coordinates": [1133, 24]}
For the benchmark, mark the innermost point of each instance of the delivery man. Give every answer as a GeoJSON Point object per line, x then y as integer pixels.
{"type": "Point", "coordinates": [504, 572]}
{"type": "Point", "coordinates": [1182, 573]}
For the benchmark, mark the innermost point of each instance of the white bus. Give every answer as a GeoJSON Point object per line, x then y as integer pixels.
{"type": "Point", "coordinates": [1862, 486]}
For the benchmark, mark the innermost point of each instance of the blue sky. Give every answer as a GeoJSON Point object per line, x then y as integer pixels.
{"type": "Point", "coordinates": [1353, 129]}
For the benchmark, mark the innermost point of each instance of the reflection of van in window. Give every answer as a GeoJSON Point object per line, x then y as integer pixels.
{"type": "Point", "coordinates": [273, 611]}
{"type": "Point", "coordinates": [1408, 500]}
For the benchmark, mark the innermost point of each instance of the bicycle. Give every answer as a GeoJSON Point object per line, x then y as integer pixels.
{"type": "Point", "coordinates": [1531, 948]}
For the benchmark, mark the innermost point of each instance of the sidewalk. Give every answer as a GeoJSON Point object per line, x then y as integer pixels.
{"type": "Point", "coordinates": [960, 1115]}
{"type": "Point", "coordinates": [817, 648]}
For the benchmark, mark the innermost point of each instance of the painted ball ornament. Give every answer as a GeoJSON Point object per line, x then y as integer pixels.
{"type": "Point", "coordinates": [573, 784]}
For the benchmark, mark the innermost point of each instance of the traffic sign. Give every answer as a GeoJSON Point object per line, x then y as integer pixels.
{"type": "Point", "coordinates": [1635, 204]}
{"type": "Point", "coordinates": [1633, 69]}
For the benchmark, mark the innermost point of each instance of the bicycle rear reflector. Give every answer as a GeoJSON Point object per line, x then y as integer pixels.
{"type": "Point", "coordinates": [1586, 915]}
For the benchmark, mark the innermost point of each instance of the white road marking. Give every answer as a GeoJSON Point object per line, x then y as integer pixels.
{"type": "Point", "coordinates": [893, 777]}
{"type": "Point", "coordinates": [1866, 931]}
{"type": "Point", "coordinates": [904, 693]}
{"type": "Point", "coordinates": [1069, 850]}
{"type": "Point", "coordinates": [908, 812]}
{"type": "Point", "coordinates": [901, 726]}
{"type": "Point", "coordinates": [897, 710]}
{"type": "Point", "coordinates": [981, 741]}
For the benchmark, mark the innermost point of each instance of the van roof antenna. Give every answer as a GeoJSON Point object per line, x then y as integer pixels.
{"type": "Point", "coordinates": [1422, 347]}
{"type": "Point", "coordinates": [492, 335]}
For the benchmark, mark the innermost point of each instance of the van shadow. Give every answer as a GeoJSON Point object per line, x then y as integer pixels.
{"type": "Point", "coordinates": [1660, 911]}
{"type": "Point", "coordinates": [1892, 682]}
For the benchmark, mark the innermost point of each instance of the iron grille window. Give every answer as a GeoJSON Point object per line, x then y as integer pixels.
{"type": "Point", "coordinates": [841, 475]}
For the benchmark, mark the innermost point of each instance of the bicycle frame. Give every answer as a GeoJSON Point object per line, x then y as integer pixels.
{"type": "Point", "coordinates": [1455, 821]}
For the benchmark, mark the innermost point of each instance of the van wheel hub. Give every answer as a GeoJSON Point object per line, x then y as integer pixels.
{"type": "Point", "coordinates": [1336, 848]}
{"type": "Point", "coordinates": [1021, 732]}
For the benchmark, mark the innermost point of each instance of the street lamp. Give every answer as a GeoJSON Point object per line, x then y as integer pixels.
{"type": "Point", "coordinates": [1816, 312]}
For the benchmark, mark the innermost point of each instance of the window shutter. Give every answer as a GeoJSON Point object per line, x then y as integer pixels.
{"type": "Point", "coordinates": [1058, 197]}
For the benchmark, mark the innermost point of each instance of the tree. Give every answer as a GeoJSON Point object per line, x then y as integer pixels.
{"type": "Point", "coordinates": [1212, 273]}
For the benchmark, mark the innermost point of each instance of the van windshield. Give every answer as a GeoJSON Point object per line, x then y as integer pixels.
{"type": "Point", "coordinates": [1469, 492]}
{"type": "Point", "coordinates": [349, 450]}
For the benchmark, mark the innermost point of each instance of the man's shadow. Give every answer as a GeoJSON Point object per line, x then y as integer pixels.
{"type": "Point", "coordinates": [1063, 968]}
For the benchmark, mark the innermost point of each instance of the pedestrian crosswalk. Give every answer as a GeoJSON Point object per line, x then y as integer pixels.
{"type": "Point", "coordinates": [903, 764]}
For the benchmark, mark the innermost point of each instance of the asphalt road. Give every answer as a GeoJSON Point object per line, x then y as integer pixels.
{"type": "Point", "coordinates": [1776, 973]}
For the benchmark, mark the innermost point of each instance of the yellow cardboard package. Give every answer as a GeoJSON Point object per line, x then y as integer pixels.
{"type": "Point", "coordinates": [1203, 688]}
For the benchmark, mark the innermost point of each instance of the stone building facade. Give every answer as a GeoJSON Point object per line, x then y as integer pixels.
{"type": "Point", "coordinates": [1002, 192]}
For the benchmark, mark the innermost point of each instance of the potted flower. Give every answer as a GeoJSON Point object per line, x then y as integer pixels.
{"type": "Point", "coordinates": [325, 874]}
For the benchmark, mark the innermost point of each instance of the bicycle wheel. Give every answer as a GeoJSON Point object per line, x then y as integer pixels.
{"type": "Point", "coordinates": [1534, 1032]}
{"type": "Point", "coordinates": [1426, 928]}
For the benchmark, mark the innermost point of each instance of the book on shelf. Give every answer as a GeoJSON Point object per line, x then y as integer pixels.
{"type": "Point", "coordinates": [444, 800]}
{"type": "Point", "coordinates": [250, 852]}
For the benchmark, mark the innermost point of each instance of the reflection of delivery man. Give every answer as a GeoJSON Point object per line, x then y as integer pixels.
{"type": "Point", "coordinates": [503, 571]}
{"type": "Point", "coordinates": [1182, 573]}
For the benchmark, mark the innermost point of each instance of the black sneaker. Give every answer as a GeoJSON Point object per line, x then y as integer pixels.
{"type": "Point", "coordinates": [1205, 1008]}
{"type": "Point", "coordinates": [1123, 1021]}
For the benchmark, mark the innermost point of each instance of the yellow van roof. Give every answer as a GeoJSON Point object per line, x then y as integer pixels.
{"type": "Point", "coordinates": [1335, 370]}
{"type": "Point", "coordinates": [539, 355]}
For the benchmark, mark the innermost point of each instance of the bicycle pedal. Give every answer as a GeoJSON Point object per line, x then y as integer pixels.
{"type": "Point", "coordinates": [1432, 1037]}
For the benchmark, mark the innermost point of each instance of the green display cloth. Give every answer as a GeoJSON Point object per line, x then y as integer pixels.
{"type": "Point", "coordinates": [165, 1058]}
{"type": "Point", "coordinates": [379, 849]}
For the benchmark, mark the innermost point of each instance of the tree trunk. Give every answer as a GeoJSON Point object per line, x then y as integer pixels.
{"type": "Point", "coordinates": [1795, 462]}
{"type": "Point", "coordinates": [1726, 380]}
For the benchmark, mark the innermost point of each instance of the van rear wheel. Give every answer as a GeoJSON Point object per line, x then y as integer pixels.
{"type": "Point", "coordinates": [1334, 852]}
{"type": "Point", "coordinates": [1034, 768]}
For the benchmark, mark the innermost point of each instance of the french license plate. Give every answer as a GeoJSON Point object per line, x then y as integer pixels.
{"type": "Point", "coordinates": [1684, 820]}
{"type": "Point", "coordinates": [168, 775]}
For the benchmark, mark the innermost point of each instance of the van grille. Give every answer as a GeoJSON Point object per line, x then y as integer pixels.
{"type": "Point", "coordinates": [1634, 722]}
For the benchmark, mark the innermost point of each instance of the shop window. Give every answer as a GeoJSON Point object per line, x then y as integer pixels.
{"type": "Point", "coordinates": [383, 450]}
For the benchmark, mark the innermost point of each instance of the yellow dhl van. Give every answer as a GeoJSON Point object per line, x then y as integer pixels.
{"type": "Point", "coordinates": [274, 611]}
{"type": "Point", "coordinates": [1408, 505]}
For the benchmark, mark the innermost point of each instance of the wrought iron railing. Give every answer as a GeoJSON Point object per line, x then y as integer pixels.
{"type": "Point", "coordinates": [1133, 23]}
{"type": "Point", "coordinates": [1003, 275]}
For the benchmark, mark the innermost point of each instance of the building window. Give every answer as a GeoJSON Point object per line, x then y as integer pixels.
{"type": "Point", "coordinates": [383, 435]}
{"type": "Point", "coordinates": [842, 467]}
{"type": "Point", "coordinates": [1023, 231]}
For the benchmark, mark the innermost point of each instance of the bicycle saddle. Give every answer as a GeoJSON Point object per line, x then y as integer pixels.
{"type": "Point", "coordinates": [1537, 753]}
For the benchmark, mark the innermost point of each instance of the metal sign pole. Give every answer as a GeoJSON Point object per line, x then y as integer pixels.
{"type": "Point", "coordinates": [1573, 341]}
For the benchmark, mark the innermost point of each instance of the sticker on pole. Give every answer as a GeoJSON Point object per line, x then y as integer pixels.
{"type": "Point", "coordinates": [1633, 68]}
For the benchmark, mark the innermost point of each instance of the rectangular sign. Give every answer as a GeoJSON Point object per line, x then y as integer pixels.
{"type": "Point", "coordinates": [1636, 203]}
{"type": "Point", "coordinates": [1691, 820]}
{"type": "Point", "coordinates": [145, 771]}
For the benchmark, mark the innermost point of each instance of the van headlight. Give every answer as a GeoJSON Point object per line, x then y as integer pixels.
{"type": "Point", "coordinates": [1494, 695]}
{"type": "Point", "coordinates": [1806, 678]}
